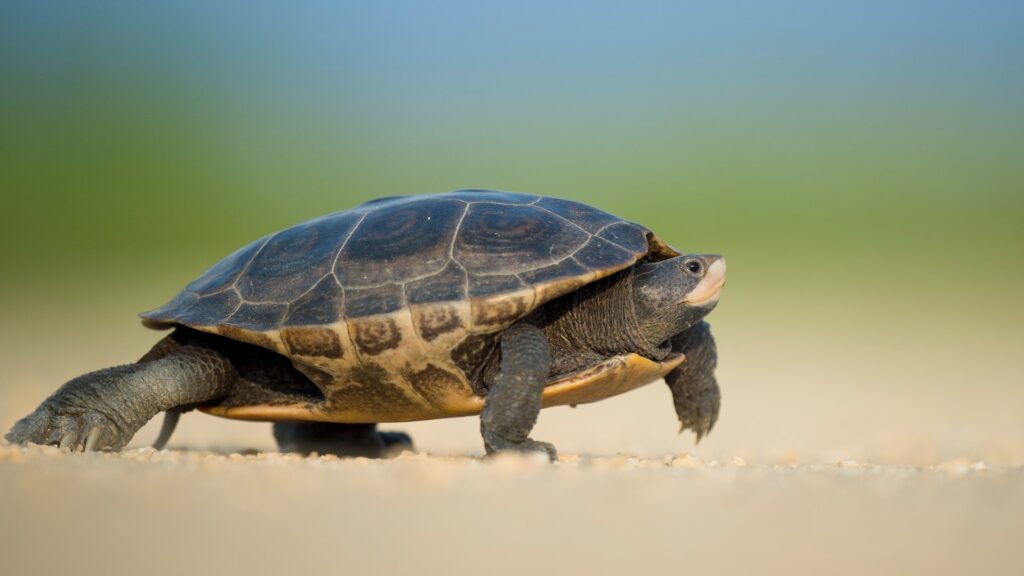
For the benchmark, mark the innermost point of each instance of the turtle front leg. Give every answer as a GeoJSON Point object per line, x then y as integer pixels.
{"type": "Point", "coordinates": [513, 400]}
{"type": "Point", "coordinates": [104, 409]}
{"type": "Point", "coordinates": [694, 388]}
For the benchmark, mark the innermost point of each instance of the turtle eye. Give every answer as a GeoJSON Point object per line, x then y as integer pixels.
{"type": "Point", "coordinates": [694, 267]}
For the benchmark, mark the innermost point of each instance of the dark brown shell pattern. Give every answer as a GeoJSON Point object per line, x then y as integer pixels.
{"type": "Point", "coordinates": [389, 305]}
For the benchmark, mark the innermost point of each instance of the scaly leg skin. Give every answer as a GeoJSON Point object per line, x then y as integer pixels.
{"type": "Point", "coordinates": [339, 439]}
{"type": "Point", "coordinates": [104, 409]}
{"type": "Point", "coordinates": [513, 400]}
{"type": "Point", "coordinates": [694, 388]}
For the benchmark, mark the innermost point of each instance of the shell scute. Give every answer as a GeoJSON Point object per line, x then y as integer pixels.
{"type": "Point", "coordinates": [448, 285]}
{"type": "Point", "coordinates": [212, 309]}
{"type": "Point", "coordinates": [223, 274]}
{"type": "Point", "coordinates": [314, 342]}
{"type": "Point", "coordinates": [400, 242]}
{"type": "Point", "coordinates": [321, 305]}
{"type": "Point", "coordinates": [599, 253]}
{"type": "Point", "coordinates": [566, 269]}
{"type": "Point", "coordinates": [627, 235]}
{"type": "Point", "coordinates": [257, 316]}
{"type": "Point", "coordinates": [362, 302]}
{"type": "Point", "coordinates": [511, 239]}
{"type": "Point", "coordinates": [435, 320]}
{"type": "Point", "coordinates": [494, 284]}
{"type": "Point", "coordinates": [374, 336]}
{"type": "Point", "coordinates": [288, 262]}
{"type": "Point", "coordinates": [587, 217]}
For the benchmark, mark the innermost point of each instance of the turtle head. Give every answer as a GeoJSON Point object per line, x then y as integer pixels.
{"type": "Point", "coordinates": [673, 295]}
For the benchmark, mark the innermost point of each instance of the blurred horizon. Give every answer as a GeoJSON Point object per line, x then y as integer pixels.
{"type": "Point", "coordinates": [858, 163]}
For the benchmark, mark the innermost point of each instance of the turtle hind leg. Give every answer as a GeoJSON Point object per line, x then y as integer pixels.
{"type": "Point", "coordinates": [339, 439]}
{"type": "Point", "coordinates": [104, 409]}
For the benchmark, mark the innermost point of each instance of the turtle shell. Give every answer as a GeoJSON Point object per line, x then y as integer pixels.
{"type": "Point", "coordinates": [390, 307]}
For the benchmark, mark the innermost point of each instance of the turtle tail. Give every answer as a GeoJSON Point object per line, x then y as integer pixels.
{"type": "Point", "coordinates": [167, 428]}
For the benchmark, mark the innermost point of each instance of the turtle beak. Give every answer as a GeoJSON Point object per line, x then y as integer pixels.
{"type": "Point", "coordinates": [710, 286]}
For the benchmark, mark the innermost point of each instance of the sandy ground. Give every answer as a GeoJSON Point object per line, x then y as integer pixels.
{"type": "Point", "coordinates": [178, 512]}
{"type": "Point", "coordinates": [831, 456]}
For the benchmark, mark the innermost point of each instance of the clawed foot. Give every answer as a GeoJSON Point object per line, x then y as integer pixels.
{"type": "Point", "coordinates": [75, 429]}
{"type": "Point", "coordinates": [700, 413]}
{"type": "Point", "coordinates": [346, 440]}
{"type": "Point", "coordinates": [497, 446]}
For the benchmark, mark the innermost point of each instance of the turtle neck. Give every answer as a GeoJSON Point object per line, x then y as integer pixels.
{"type": "Point", "coordinates": [598, 321]}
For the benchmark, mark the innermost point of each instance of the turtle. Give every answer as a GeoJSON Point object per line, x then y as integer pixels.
{"type": "Point", "coordinates": [411, 308]}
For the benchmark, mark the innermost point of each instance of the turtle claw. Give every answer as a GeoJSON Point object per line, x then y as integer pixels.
{"type": "Point", "coordinates": [538, 447]}
{"type": "Point", "coordinates": [74, 430]}
{"type": "Point", "coordinates": [92, 442]}
{"type": "Point", "coordinates": [69, 440]}
{"type": "Point", "coordinates": [527, 446]}
{"type": "Point", "coordinates": [701, 427]}
{"type": "Point", "coordinates": [699, 413]}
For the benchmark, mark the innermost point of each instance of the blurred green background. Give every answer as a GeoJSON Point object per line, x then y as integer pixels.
{"type": "Point", "coordinates": [861, 165]}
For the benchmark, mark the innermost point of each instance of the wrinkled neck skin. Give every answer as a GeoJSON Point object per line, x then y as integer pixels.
{"type": "Point", "coordinates": [606, 318]}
